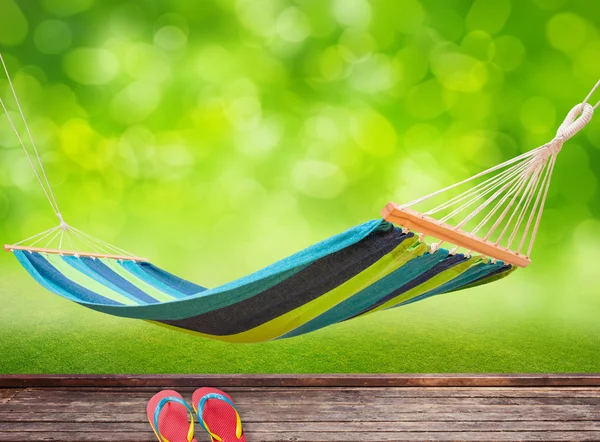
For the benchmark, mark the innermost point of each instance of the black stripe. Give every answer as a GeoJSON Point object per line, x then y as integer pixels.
{"type": "Point", "coordinates": [308, 284]}
{"type": "Point", "coordinates": [447, 263]}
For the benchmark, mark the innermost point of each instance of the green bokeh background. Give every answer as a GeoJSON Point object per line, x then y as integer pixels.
{"type": "Point", "coordinates": [217, 136]}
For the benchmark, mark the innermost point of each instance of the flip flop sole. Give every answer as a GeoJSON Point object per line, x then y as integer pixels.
{"type": "Point", "coordinates": [218, 415]}
{"type": "Point", "coordinates": [173, 421]}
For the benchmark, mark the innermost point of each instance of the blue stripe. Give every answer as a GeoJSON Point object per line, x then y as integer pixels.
{"type": "Point", "coordinates": [371, 295]}
{"type": "Point", "coordinates": [49, 273]}
{"type": "Point", "coordinates": [474, 273]}
{"type": "Point", "coordinates": [96, 269]}
{"type": "Point", "coordinates": [22, 258]}
{"type": "Point", "coordinates": [248, 286]}
{"type": "Point", "coordinates": [181, 285]}
{"type": "Point", "coordinates": [134, 268]}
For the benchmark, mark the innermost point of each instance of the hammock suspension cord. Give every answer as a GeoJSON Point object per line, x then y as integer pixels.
{"type": "Point", "coordinates": [513, 194]}
{"type": "Point", "coordinates": [506, 207]}
{"type": "Point", "coordinates": [63, 232]}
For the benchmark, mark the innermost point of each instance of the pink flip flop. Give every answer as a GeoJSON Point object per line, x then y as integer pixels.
{"type": "Point", "coordinates": [171, 418]}
{"type": "Point", "coordinates": [218, 416]}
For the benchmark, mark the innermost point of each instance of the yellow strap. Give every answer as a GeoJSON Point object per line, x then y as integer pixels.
{"type": "Point", "coordinates": [238, 427]}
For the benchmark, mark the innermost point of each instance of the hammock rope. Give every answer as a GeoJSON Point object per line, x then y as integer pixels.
{"type": "Point", "coordinates": [509, 201]}
{"type": "Point", "coordinates": [63, 231]}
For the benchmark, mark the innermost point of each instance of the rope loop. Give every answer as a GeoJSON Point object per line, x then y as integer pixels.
{"type": "Point", "coordinates": [576, 119]}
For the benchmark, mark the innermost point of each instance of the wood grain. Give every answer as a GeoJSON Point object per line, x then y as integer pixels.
{"type": "Point", "coordinates": [320, 413]}
{"type": "Point", "coordinates": [306, 380]}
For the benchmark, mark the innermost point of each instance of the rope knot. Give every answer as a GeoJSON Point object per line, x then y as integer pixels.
{"type": "Point", "coordinates": [63, 225]}
{"type": "Point", "coordinates": [576, 119]}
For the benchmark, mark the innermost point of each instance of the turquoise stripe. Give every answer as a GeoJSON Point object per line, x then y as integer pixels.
{"type": "Point", "coordinates": [79, 265]}
{"type": "Point", "coordinates": [248, 286]}
{"type": "Point", "coordinates": [134, 269]}
{"type": "Point", "coordinates": [372, 294]}
{"type": "Point", "coordinates": [143, 286]}
{"type": "Point", "coordinates": [86, 281]}
{"type": "Point", "coordinates": [48, 285]}
{"type": "Point", "coordinates": [465, 278]}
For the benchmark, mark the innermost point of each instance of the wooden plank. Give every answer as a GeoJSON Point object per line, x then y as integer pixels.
{"type": "Point", "coordinates": [306, 397]}
{"type": "Point", "coordinates": [271, 414]}
{"type": "Point", "coordinates": [316, 427]}
{"type": "Point", "coordinates": [324, 380]}
{"type": "Point", "coordinates": [6, 395]}
{"type": "Point", "coordinates": [400, 436]}
{"type": "Point", "coordinates": [11, 248]}
{"type": "Point", "coordinates": [127, 404]}
{"type": "Point", "coordinates": [318, 413]}
{"type": "Point", "coordinates": [337, 392]}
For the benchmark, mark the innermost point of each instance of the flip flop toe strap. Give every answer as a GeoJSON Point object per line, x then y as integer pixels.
{"type": "Point", "coordinates": [238, 425]}
{"type": "Point", "coordinates": [159, 407]}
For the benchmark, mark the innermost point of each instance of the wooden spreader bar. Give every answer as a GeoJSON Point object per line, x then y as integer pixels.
{"type": "Point", "coordinates": [427, 225]}
{"type": "Point", "coordinates": [10, 248]}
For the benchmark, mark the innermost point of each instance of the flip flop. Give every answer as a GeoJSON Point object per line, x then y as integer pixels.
{"type": "Point", "coordinates": [218, 416]}
{"type": "Point", "coordinates": [171, 418]}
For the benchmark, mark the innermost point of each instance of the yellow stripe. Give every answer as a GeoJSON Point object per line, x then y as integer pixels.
{"type": "Point", "coordinates": [431, 284]}
{"type": "Point", "coordinates": [407, 250]}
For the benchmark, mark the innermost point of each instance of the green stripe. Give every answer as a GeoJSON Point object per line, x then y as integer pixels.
{"type": "Point", "coordinates": [142, 285]}
{"type": "Point", "coordinates": [406, 251]}
{"type": "Point", "coordinates": [84, 280]}
{"type": "Point", "coordinates": [430, 284]}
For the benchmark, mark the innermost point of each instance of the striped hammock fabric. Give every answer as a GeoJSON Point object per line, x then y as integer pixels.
{"type": "Point", "coordinates": [368, 268]}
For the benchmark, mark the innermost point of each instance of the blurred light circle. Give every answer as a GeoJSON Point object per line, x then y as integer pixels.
{"type": "Point", "coordinates": [352, 13]}
{"type": "Point", "coordinates": [176, 155]}
{"type": "Point", "coordinates": [550, 4]}
{"type": "Point", "coordinates": [376, 74]}
{"type": "Point", "coordinates": [426, 100]}
{"type": "Point", "coordinates": [409, 16]}
{"type": "Point", "coordinates": [566, 31]}
{"type": "Point", "coordinates": [509, 53]}
{"type": "Point", "coordinates": [136, 102]}
{"type": "Point", "coordinates": [422, 137]}
{"type": "Point", "coordinates": [127, 21]}
{"type": "Point", "coordinates": [374, 133]}
{"type": "Point", "coordinates": [356, 45]}
{"type": "Point", "coordinates": [91, 65]}
{"type": "Point", "coordinates": [318, 179]}
{"type": "Point", "coordinates": [293, 25]}
{"type": "Point", "coordinates": [65, 8]}
{"type": "Point", "coordinates": [261, 140]}
{"type": "Point", "coordinates": [13, 24]}
{"type": "Point", "coordinates": [538, 115]}
{"type": "Point", "coordinates": [144, 61]}
{"type": "Point", "coordinates": [488, 16]}
{"type": "Point", "coordinates": [259, 17]}
{"type": "Point", "coordinates": [245, 112]}
{"type": "Point", "coordinates": [587, 60]}
{"type": "Point", "coordinates": [4, 204]}
{"type": "Point", "coordinates": [331, 63]}
{"type": "Point", "coordinates": [447, 23]}
{"type": "Point", "coordinates": [170, 38]}
{"type": "Point", "coordinates": [459, 72]}
{"type": "Point", "coordinates": [411, 64]}
{"type": "Point", "coordinates": [479, 44]}
{"type": "Point", "coordinates": [52, 37]}
{"type": "Point", "coordinates": [215, 64]}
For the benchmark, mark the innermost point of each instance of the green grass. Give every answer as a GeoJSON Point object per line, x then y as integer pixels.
{"type": "Point", "coordinates": [509, 326]}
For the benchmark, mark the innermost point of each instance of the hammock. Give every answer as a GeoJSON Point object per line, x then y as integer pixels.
{"type": "Point", "coordinates": [490, 220]}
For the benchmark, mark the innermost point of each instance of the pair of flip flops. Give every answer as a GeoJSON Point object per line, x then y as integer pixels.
{"type": "Point", "coordinates": [172, 418]}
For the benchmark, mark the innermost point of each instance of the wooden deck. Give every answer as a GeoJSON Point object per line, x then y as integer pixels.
{"type": "Point", "coordinates": [314, 408]}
